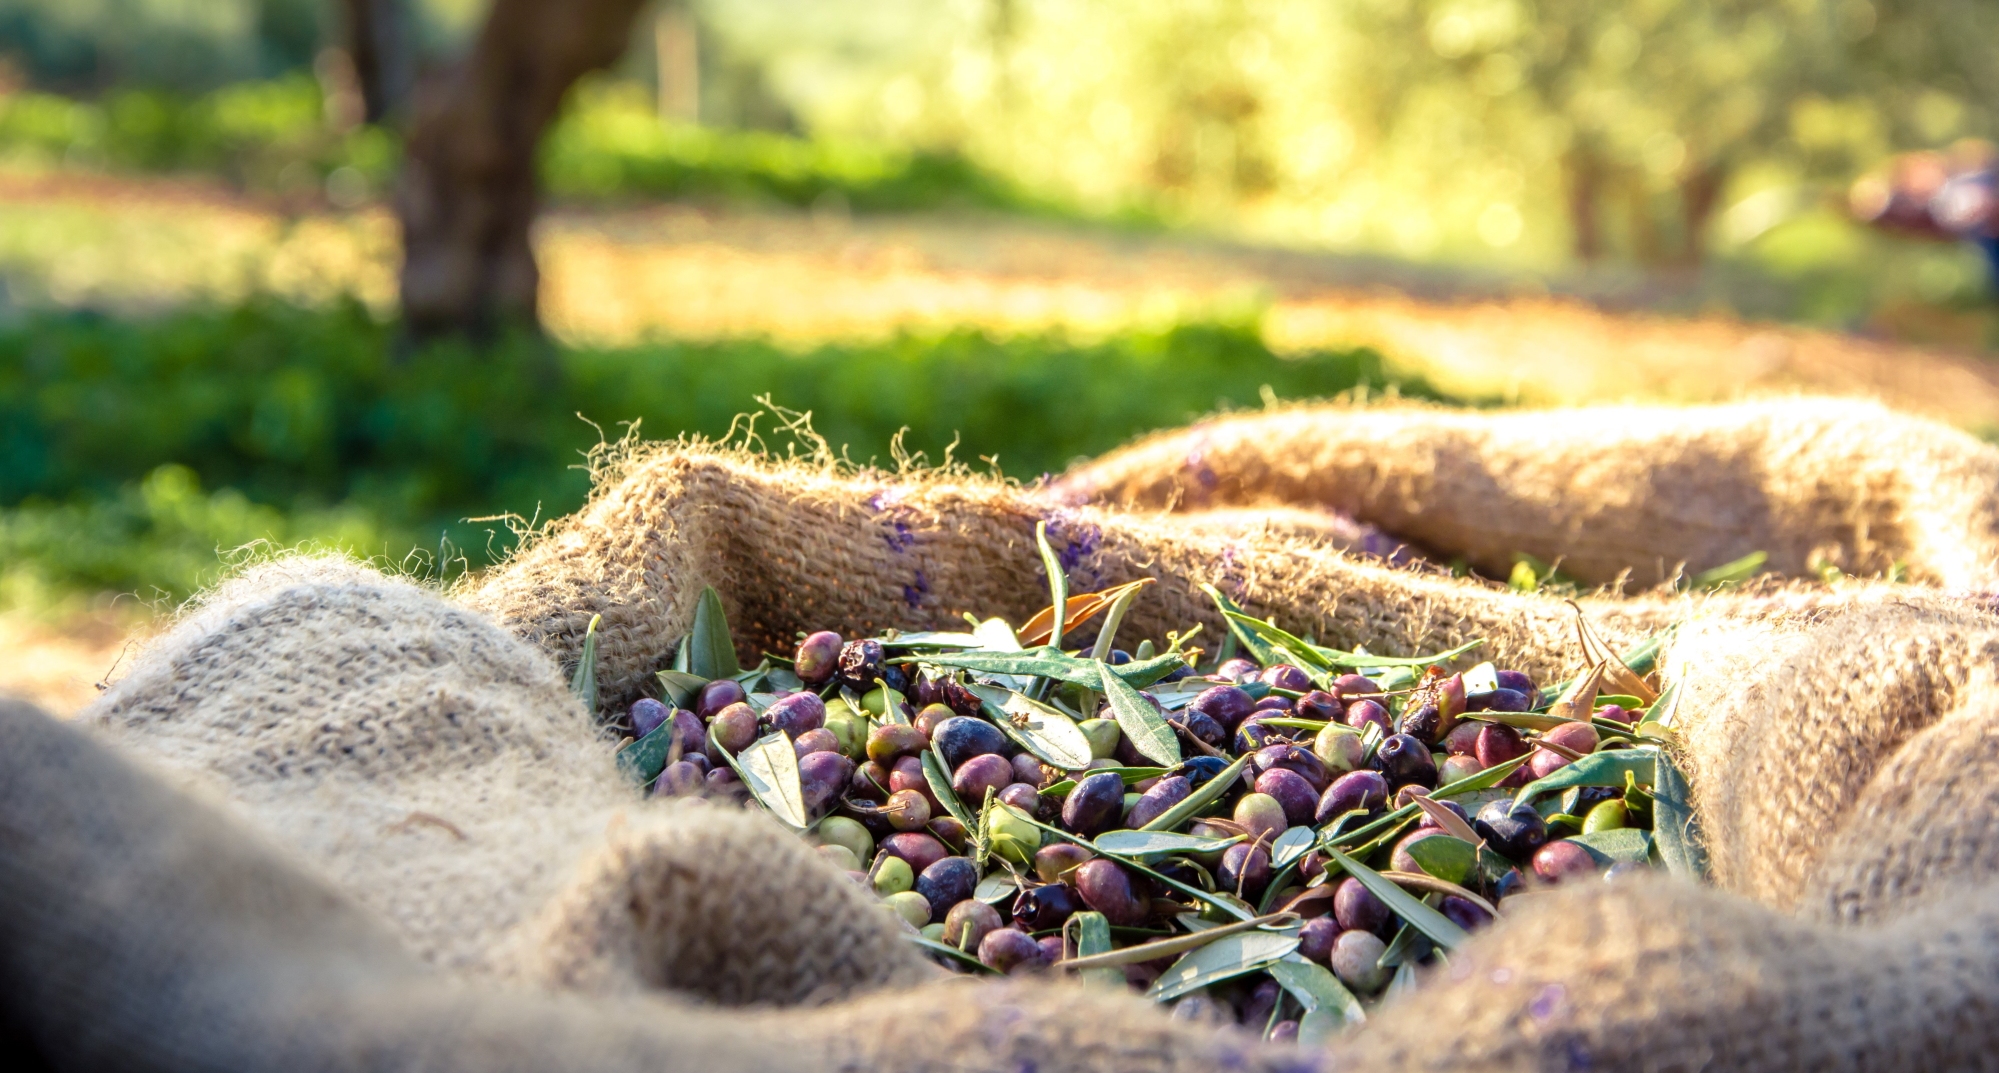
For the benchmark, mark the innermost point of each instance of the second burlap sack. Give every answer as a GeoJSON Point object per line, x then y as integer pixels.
{"type": "Point", "coordinates": [431, 768]}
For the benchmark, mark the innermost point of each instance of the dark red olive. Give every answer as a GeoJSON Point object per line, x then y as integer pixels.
{"type": "Point", "coordinates": [946, 883]}
{"type": "Point", "coordinates": [980, 775]}
{"type": "Point", "coordinates": [1163, 795]}
{"type": "Point", "coordinates": [1353, 790]}
{"type": "Point", "coordinates": [1056, 860]}
{"type": "Point", "coordinates": [682, 779]}
{"type": "Point", "coordinates": [734, 729]}
{"type": "Point", "coordinates": [1028, 768]}
{"type": "Point", "coordinates": [688, 733]}
{"type": "Point", "coordinates": [1280, 705]}
{"type": "Point", "coordinates": [1427, 822]}
{"type": "Point", "coordinates": [1297, 758]}
{"type": "Point", "coordinates": [1315, 939]}
{"type": "Point", "coordinates": [1291, 790]}
{"type": "Point", "coordinates": [1094, 803]}
{"type": "Point", "coordinates": [1364, 713]}
{"type": "Point", "coordinates": [796, 713]}
{"type": "Point", "coordinates": [1463, 739]}
{"type": "Point", "coordinates": [717, 695]}
{"type": "Point", "coordinates": [1046, 906]}
{"type": "Point", "coordinates": [1226, 705]}
{"type": "Point", "coordinates": [1245, 869]}
{"type": "Point", "coordinates": [1237, 670]}
{"type": "Point", "coordinates": [1023, 797]}
{"type": "Point", "coordinates": [917, 849]}
{"type": "Point", "coordinates": [959, 739]}
{"type": "Point", "coordinates": [1464, 913]}
{"type": "Point", "coordinates": [1106, 888]}
{"type": "Point", "coordinates": [1498, 743]}
{"type": "Point", "coordinates": [1357, 908]}
{"type": "Point", "coordinates": [1285, 676]}
{"type": "Point", "coordinates": [822, 776]}
{"type": "Point", "coordinates": [818, 658]}
{"type": "Point", "coordinates": [1518, 682]}
{"type": "Point", "coordinates": [1405, 760]}
{"type": "Point", "coordinates": [1348, 685]}
{"type": "Point", "coordinates": [870, 783]}
{"type": "Point", "coordinates": [1319, 704]}
{"type": "Point", "coordinates": [1010, 950]}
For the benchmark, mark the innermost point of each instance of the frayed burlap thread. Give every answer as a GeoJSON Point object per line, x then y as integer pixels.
{"type": "Point", "coordinates": [1609, 492]}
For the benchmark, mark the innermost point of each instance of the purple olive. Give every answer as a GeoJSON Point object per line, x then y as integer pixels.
{"type": "Point", "coordinates": [975, 777]}
{"type": "Point", "coordinates": [1315, 939]}
{"type": "Point", "coordinates": [1253, 735]}
{"type": "Point", "coordinates": [1518, 682]}
{"type": "Point", "coordinates": [1237, 670]}
{"type": "Point", "coordinates": [1200, 727]}
{"type": "Point", "coordinates": [723, 782]}
{"type": "Point", "coordinates": [1356, 960]}
{"type": "Point", "coordinates": [1557, 861]}
{"type": "Point", "coordinates": [1285, 676]}
{"type": "Point", "coordinates": [817, 741]}
{"type": "Point", "coordinates": [1353, 790]}
{"type": "Point", "coordinates": [818, 658]}
{"type": "Point", "coordinates": [1512, 832]}
{"type": "Point", "coordinates": [1357, 908]}
{"type": "Point", "coordinates": [1226, 705]}
{"type": "Point", "coordinates": [1426, 823]}
{"type": "Point", "coordinates": [1617, 713]}
{"type": "Point", "coordinates": [1245, 869]}
{"type": "Point", "coordinates": [1463, 912]}
{"type": "Point", "coordinates": [1262, 1001]}
{"type": "Point", "coordinates": [1498, 743]}
{"type": "Point", "coordinates": [1297, 758]}
{"type": "Point", "coordinates": [917, 849]}
{"type": "Point", "coordinates": [1273, 703]}
{"type": "Point", "coordinates": [1163, 795]}
{"type": "Point", "coordinates": [1094, 803]}
{"type": "Point", "coordinates": [1028, 768]}
{"type": "Point", "coordinates": [907, 774]}
{"type": "Point", "coordinates": [822, 776]}
{"type": "Point", "coordinates": [967, 923]}
{"type": "Point", "coordinates": [795, 713]}
{"type": "Point", "coordinates": [1106, 888]}
{"type": "Point", "coordinates": [960, 738]}
{"type": "Point", "coordinates": [1348, 685]}
{"type": "Point", "coordinates": [1046, 906]}
{"type": "Point", "coordinates": [1500, 700]}
{"type": "Point", "coordinates": [1055, 861]}
{"type": "Point", "coordinates": [1363, 713]}
{"type": "Point", "coordinates": [870, 783]}
{"type": "Point", "coordinates": [647, 715]}
{"type": "Point", "coordinates": [948, 882]}
{"type": "Point", "coordinates": [1010, 950]}
{"type": "Point", "coordinates": [717, 695]}
{"type": "Point", "coordinates": [688, 733]}
{"type": "Point", "coordinates": [734, 728]}
{"type": "Point", "coordinates": [681, 779]}
{"type": "Point", "coordinates": [1405, 760]}
{"type": "Point", "coordinates": [1296, 795]}
{"type": "Point", "coordinates": [1023, 797]}
{"type": "Point", "coordinates": [1319, 704]}
{"type": "Point", "coordinates": [1463, 739]}
{"type": "Point", "coordinates": [861, 664]}
{"type": "Point", "coordinates": [1284, 1032]}
{"type": "Point", "coordinates": [950, 832]}
{"type": "Point", "coordinates": [1052, 949]}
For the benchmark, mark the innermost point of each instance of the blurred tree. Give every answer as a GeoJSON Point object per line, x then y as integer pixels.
{"type": "Point", "coordinates": [379, 41]}
{"type": "Point", "coordinates": [467, 196]}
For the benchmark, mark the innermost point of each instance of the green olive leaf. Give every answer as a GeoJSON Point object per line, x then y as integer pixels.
{"type": "Point", "coordinates": [584, 684]}
{"type": "Point", "coordinates": [1434, 925]}
{"type": "Point", "coordinates": [1132, 776]}
{"type": "Point", "coordinates": [1408, 944]}
{"type": "Point", "coordinates": [1303, 653]}
{"type": "Point", "coordinates": [1675, 829]}
{"type": "Point", "coordinates": [711, 653]}
{"type": "Point", "coordinates": [1141, 723]}
{"type": "Point", "coordinates": [935, 639]}
{"type": "Point", "coordinates": [680, 687]}
{"type": "Point", "coordinates": [1093, 936]}
{"type": "Point", "coordinates": [1622, 844]}
{"type": "Point", "coordinates": [1058, 584]}
{"type": "Point", "coordinates": [962, 957]}
{"type": "Point", "coordinates": [1224, 959]}
{"type": "Point", "coordinates": [1448, 858]}
{"type": "Point", "coordinates": [997, 887]}
{"type": "Point", "coordinates": [939, 778]}
{"type": "Point", "coordinates": [1039, 728]}
{"type": "Point", "coordinates": [1597, 769]}
{"type": "Point", "coordinates": [1292, 845]}
{"type": "Point", "coordinates": [1154, 843]}
{"type": "Point", "coordinates": [1317, 990]}
{"type": "Point", "coordinates": [644, 759]}
{"type": "Point", "coordinates": [1203, 796]}
{"type": "Point", "coordinates": [769, 767]}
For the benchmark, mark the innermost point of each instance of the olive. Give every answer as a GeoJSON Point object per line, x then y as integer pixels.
{"type": "Point", "coordinates": [1200, 769]}
{"type": "Point", "coordinates": [1427, 823]}
{"type": "Point", "coordinates": [1458, 767]}
{"type": "Point", "coordinates": [1029, 769]}
{"type": "Point", "coordinates": [1299, 801]}
{"type": "Point", "coordinates": [949, 831]}
{"type": "Point", "coordinates": [1201, 727]}
{"type": "Point", "coordinates": [795, 713]}
{"type": "Point", "coordinates": [1408, 793]}
{"type": "Point", "coordinates": [1245, 869]}
{"type": "Point", "coordinates": [1163, 795]}
{"type": "Point", "coordinates": [1285, 676]}
{"type": "Point", "coordinates": [682, 778]}
{"type": "Point", "coordinates": [647, 715]}
{"type": "Point", "coordinates": [842, 858]}
{"type": "Point", "coordinates": [1340, 748]}
{"type": "Point", "coordinates": [1561, 859]}
{"type": "Point", "coordinates": [1046, 906]}
{"type": "Point", "coordinates": [1319, 704]}
{"type": "Point", "coordinates": [1403, 861]}
{"type": "Point", "coordinates": [1055, 860]}
{"type": "Point", "coordinates": [1514, 832]}
{"type": "Point", "coordinates": [907, 810]}
{"type": "Point", "coordinates": [1422, 722]}
{"type": "Point", "coordinates": [1296, 758]}
{"type": "Point", "coordinates": [861, 664]}
{"type": "Point", "coordinates": [734, 729]}
{"type": "Point", "coordinates": [1023, 797]}
{"type": "Point", "coordinates": [1464, 912]}
{"type": "Point", "coordinates": [1518, 682]}
{"type": "Point", "coordinates": [1576, 736]}
{"type": "Point", "coordinates": [890, 740]}
{"type": "Point", "coordinates": [842, 831]}
{"type": "Point", "coordinates": [1237, 670]}
{"type": "Point", "coordinates": [1617, 713]}
{"type": "Point", "coordinates": [919, 849]}
{"type": "Point", "coordinates": [1348, 685]}
{"type": "Point", "coordinates": [1011, 836]}
{"type": "Point", "coordinates": [907, 774]}
{"type": "Point", "coordinates": [1358, 908]}
{"type": "Point", "coordinates": [717, 695]}
{"type": "Point", "coordinates": [723, 782]}
{"type": "Point", "coordinates": [948, 882]}
{"type": "Point", "coordinates": [1011, 950]}
{"type": "Point", "coordinates": [1498, 743]}
{"type": "Point", "coordinates": [1262, 816]}
{"type": "Point", "coordinates": [1508, 884]}
{"type": "Point", "coordinates": [1275, 704]}
{"type": "Point", "coordinates": [967, 923]}
{"type": "Point", "coordinates": [1405, 760]}
{"type": "Point", "coordinates": [1103, 737]}
{"type": "Point", "coordinates": [1253, 735]}
{"type": "Point", "coordinates": [1363, 789]}
{"type": "Point", "coordinates": [959, 739]}
{"type": "Point", "coordinates": [816, 741]}
{"type": "Point", "coordinates": [910, 906]}
{"type": "Point", "coordinates": [870, 783]}
{"type": "Point", "coordinates": [818, 658]}
{"type": "Point", "coordinates": [1052, 949]}
{"type": "Point", "coordinates": [1096, 801]}
{"type": "Point", "coordinates": [1226, 705]}
{"type": "Point", "coordinates": [1606, 816]}
{"type": "Point", "coordinates": [1500, 700]}
{"type": "Point", "coordinates": [931, 715]}
{"type": "Point", "coordinates": [892, 875]}
{"type": "Point", "coordinates": [980, 775]}
{"type": "Point", "coordinates": [688, 734]}
{"type": "Point", "coordinates": [1106, 888]}
{"type": "Point", "coordinates": [1356, 960]}
{"type": "Point", "coordinates": [822, 776]}
{"type": "Point", "coordinates": [1261, 1003]}
{"type": "Point", "coordinates": [1364, 713]}
{"type": "Point", "coordinates": [1315, 939]}
{"type": "Point", "coordinates": [1202, 1009]}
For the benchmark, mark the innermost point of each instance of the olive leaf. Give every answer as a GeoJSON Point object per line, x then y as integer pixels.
{"type": "Point", "coordinates": [1120, 604]}
{"type": "Point", "coordinates": [939, 778]}
{"type": "Point", "coordinates": [1580, 700]}
{"type": "Point", "coordinates": [1606, 768]}
{"type": "Point", "coordinates": [936, 947]}
{"type": "Point", "coordinates": [1407, 944]}
{"type": "Point", "coordinates": [1093, 936]}
{"type": "Point", "coordinates": [1300, 650]}
{"type": "Point", "coordinates": [1360, 661]}
{"type": "Point", "coordinates": [933, 639]}
{"type": "Point", "coordinates": [1293, 844]}
{"type": "Point", "coordinates": [1317, 990]}
{"type": "Point", "coordinates": [680, 687]}
{"type": "Point", "coordinates": [1481, 679]}
{"type": "Point", "coordinates": [584, 684]}
{"type": "Point", "coordinates": [1617, 673]}
{"type": "Point", "coordinates": [1402, 983]}
{"type": "Point", "coordinates": [1039, 728]}
{"type": "Point", "coordinates": [1318, 1028]}
{"type": "Point", "coordinates": [1676, 831]}
{"type": "Point", "coordinates": [1452, 823]}
{"type": "Point", "coordinates": [1201, 798]}
{"type": "Point", "coordinates": [1058, 585]}
{"type": "Point", "coordinates": [1258, 648]}
{"type": "Point", "coordinates": [1621, 844]}
{"type": "Point", "coordinates": [1729, 574]}
{"type": "Point", "coordinates": [1141, 723]}
{"type": "Point", "coordinates": [997, 887]}
{"type": "Point", "coordinates": [1046, 662]}
{"type": "Point", "coordinates": [769, 767]}
{"type": "Point", "coordinates": [1641, 659]}
{"type": "Point", "coordinates": [1473, 783]}
{"type": "Point", "coordinates": [1434, 925]}
{"type": "Point", "coordinates": [708, 651]}
{"type": "Point", "coordinates": [1132, 776]}
{"type": "Point", "coordinates": [1666, 708]}
{"type": "Point", "coordinates": [1226, 904]}
{"type": "Point", "coordinates": [1448, 858]}
{"type": "Point", "coordinates": [1223, 959]}
{"type": "Point", "coordinates": [1152, 843]}
{"type": "Point", "coordinates": [644, 759]}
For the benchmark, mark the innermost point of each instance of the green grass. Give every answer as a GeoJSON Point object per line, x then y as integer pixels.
{"type": "Point", "coordinates": [133, 451]}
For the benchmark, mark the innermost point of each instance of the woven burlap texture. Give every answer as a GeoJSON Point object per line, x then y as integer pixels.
{"type": "Point", "coordinates": [1607, 491]}
{"type": "Point", "coordinates": [429, 768]}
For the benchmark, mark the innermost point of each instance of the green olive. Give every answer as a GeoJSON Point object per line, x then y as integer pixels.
{"type": "Point", "coordinates": [1606, 816]}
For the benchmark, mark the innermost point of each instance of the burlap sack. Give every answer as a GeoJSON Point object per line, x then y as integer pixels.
{"type": "Point", "coordinates": [427, 768]}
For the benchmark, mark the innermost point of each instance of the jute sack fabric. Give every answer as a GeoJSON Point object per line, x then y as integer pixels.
{"type": "Point", "coordinates": [477, 817]}
{"type": "Point", "coordinates": [1611, 492]}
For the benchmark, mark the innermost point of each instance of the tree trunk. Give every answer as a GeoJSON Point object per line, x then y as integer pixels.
{"type": "Point", "coordinates": [467, 196]}
{"type": "Point", "coordinates": [1700, 192]}
{"type": "Point", "coordinates": [1585, 187]}
{"type": "Point", "coordinates": [677, 48]}
{"type": "Point", "coordinates": [377, 37]}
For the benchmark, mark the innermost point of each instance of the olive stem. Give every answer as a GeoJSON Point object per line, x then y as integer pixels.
{"type": "Point", "coordinates": [1179, 944]}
